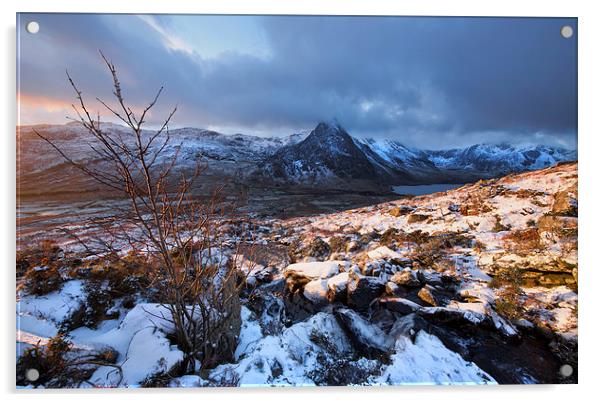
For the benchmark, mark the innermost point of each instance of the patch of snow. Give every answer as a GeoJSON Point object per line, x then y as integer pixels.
{"type": "Point", "coordinates": [384, 253]}
{"type": "Point", "coordinates": [316, 270]}
{"type": "Point", "coordinates": [428, 362]}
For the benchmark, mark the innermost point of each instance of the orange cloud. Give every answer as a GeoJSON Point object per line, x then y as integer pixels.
{"type": "Point", "coordinates": [33, 109]}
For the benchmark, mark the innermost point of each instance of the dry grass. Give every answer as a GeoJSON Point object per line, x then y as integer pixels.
{"type": "Point", "coordinates": [58, 366]}
{"type": "Point", "coordinates": [474, 205]}
{"type": "Point", "coordinates": [523, 242]}
{"type": "Point", "coordinates": [509, 281]}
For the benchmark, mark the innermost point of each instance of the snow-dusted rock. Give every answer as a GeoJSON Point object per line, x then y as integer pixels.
{"type": "Point", "coordinates": [337, 287]}
{"type": "Point", "coordinates": [316, 291]}
{"type": "Point", "coordinates": [385, 253]}
{"type": "Point", "coordinates": [452, 316]}
{"type": "Point", "coordinates": [362, 290]}
{"type": "Point", "coordinates": [314, 270]}
{"type": "Point", "coordinates": [399, 305]}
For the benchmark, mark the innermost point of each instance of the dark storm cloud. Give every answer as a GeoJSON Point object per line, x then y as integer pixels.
{"type": "Point", "coordinates": [433, 82]}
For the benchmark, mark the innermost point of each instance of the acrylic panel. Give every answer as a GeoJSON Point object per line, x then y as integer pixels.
{"type": "Point", "coordinates": [247, 200]}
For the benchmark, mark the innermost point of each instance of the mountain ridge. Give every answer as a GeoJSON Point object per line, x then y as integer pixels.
{"type": "Point", "coordinates": [325, 157]}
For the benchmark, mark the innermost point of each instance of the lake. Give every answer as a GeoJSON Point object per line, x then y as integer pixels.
{"type": "Point", "coordinates": [424, 189]}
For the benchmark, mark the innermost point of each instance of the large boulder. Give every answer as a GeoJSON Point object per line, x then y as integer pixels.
{"type": "Point", "coordinates": [316, 291]}
{"type": "Point", "coordinates": [362, 290]}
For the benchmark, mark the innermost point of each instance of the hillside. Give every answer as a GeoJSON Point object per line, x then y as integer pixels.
{"type": "Point", "coordinates": [474, 285]}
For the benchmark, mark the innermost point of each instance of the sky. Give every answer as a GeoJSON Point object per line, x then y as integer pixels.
{"type": "Point", "coordinates": [427, 82]}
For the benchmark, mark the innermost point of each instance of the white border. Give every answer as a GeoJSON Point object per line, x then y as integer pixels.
{"type": "Point", "coordinates": [590, 149]}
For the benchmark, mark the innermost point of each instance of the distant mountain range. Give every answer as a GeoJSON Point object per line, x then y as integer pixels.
{"type": "Point", "coordinates": [326, 157]}
{"type": "Point", "coordinates": [330, 155]}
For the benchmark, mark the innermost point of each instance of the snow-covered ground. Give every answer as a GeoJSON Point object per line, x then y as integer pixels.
{"type": "Point", "coordinates": [405, 292]}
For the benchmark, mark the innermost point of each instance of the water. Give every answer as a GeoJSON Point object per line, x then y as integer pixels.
{"type": "Point", "coordinates": [424, 189]}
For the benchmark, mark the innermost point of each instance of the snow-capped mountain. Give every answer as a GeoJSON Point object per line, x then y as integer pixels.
{"type": "Point", "coordinates": [327, 153]}
{"type": "Point", "coordinates": [500, 159]}
{"type": "Point", "coordinates": [330, 155]}
{"type": "Point", "coordinates": [326, 157]}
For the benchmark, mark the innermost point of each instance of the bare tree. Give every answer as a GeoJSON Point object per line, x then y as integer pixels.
{"type": "Point", "coordinates": [198, 282]}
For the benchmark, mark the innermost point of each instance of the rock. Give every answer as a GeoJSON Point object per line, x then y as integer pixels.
{"type": "Point", "coordinates": [409, 325]}
{"type": "Point", "coordinates": [452, 316]}
{"type": "Point", "coordinates": [417, 218]}
{"type": "Point", "coordinates": [431, 278]}
{"type": "Point", "coordinates": [298, 308]}
{"type": "Point", "coordinates": [426, 295]}
{"type": "Point", "coordinates": [400, 211]}
{"type": "Point", "coordinates": [299, 274]}
{"type": "Point", "coordinates": [362, 290]}
{"type": "Point", "coordinates": [503, 326]}
{"type": "Point", "coordinates": [436, 279]}
{"type": "Point", "coordinates": [399, 305]}
{"type": "Point", "coordinates": [406, 278]}
{"type": "Point", "coordinates": [269, 310]}
{"type": "Point", "coordinates": [565, 203]}
{"type": "Point", "coordinates": [369, 340]}
{"type": "Point", "coordinates": [369, 237]}
{"type": "Point", "coordinates": [337, 288]}
{"type": "Point", "coordinates": [276, 368]}
{"type": "Point", "coordinates": [315, 291]}
{"type": "Point", "coordinates": [453, 207]}
{"type": "Point", "coordinates": [392, 288]}
{"type": "Point", "coordinates": [384, 253]}
{"type": "Point", "coordinates": [461, 315]}
{"type": "Point", "coordinates": [563, 225]}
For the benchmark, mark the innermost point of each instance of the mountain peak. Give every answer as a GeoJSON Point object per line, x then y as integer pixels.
{"type": "Point", "coordinates": [329, 127]}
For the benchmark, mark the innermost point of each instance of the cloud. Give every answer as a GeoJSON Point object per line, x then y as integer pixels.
{"type": "Point", "coordinates": [430, 82]}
